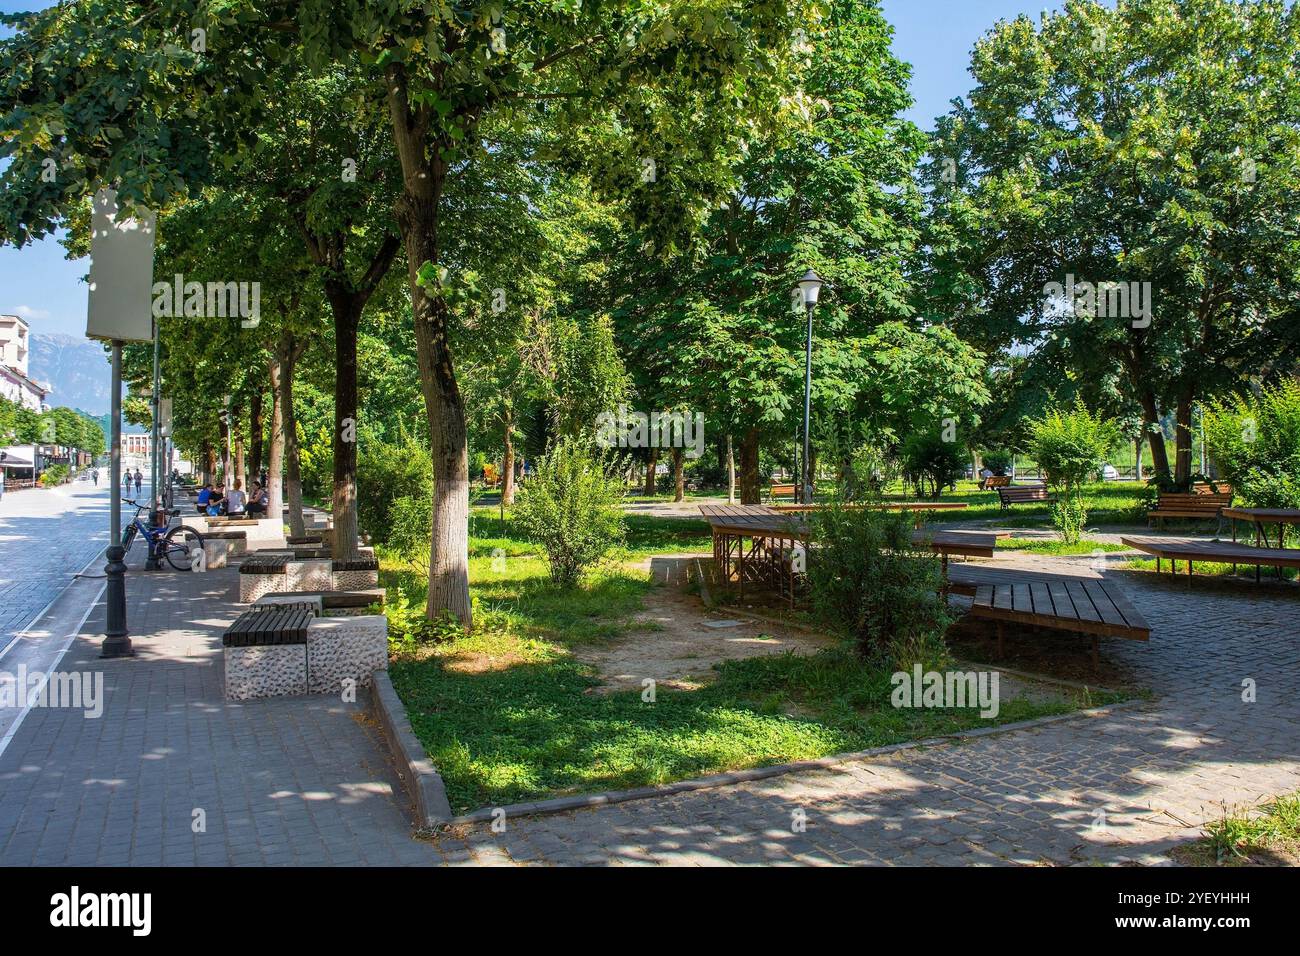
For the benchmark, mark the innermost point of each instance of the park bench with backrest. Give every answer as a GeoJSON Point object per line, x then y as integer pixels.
{"type": "Point", "coordinates": [784, 490]}
{"type": "Point", "coordinates": [994, 481]}
{"type": "Point", "coordinates": [1083, 606]}
{"type": "Point", "coordinates": [1204, 506]}
{"type": "Point", "coordinates": [1024, 494]}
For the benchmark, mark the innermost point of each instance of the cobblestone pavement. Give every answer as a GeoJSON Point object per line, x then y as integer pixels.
{"type": "Point", "coordinates": [173, 774]}
{"type": "Point", "coordinates": [46, 536]}
{"type": "Point", "coordinates": [1123, 786]}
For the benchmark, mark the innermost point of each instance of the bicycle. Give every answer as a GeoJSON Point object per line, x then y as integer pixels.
{"type": "Point", "coordinates": [178, 545]}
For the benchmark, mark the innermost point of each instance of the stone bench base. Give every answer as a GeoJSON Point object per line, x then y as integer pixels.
{"type": "Point", "coordinates": [354, 580]}
{"type": "Point", "coordinates": [312, 575]}
{"type": "Point", "coordinates": [279, 671]}
{"type": "Point", "coordinates": [340, 654]}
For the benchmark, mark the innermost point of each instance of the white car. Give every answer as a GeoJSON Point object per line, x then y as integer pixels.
{"type": "Point", "coordinates": [1108, 473]}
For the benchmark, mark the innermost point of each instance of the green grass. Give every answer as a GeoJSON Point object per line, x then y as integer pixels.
{"type": "Point", "coordinates": [1057, 547]}
{"type": "Point", "coordinates": [1241, 839]}
{"type": "Point", "coordinates": [507, 713]}
{"type": "Point", "coordinates": [1211, 568]}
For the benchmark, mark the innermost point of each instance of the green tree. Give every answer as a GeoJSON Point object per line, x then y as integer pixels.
{"type": "Point", "coordinates": [1070, 446]}
{"type": "Point", "coordinates": [107, 91]}
{"type": "Point", "coordinates": [1154, 143]}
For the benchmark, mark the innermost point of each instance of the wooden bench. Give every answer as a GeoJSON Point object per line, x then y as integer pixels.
{"type": "Point", "coordinates": [994, 481]}
{"type": "Point", "coordinates": [1204, 506]}
{"type": "Point", "coordinates": [1023, 494]}
{"type": "Point", "coordinates": [305, 539]}
{"type": "Point", "coordinates": [268, 625]}
{"type": "Point", "coordinates": [1221, 552]}
{"type": "Point", "coordinates": [1084, 606]}
{"type": "Point", "coordinates": [784, 491]}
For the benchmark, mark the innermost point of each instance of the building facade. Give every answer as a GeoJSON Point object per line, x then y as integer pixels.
{"type": "Point", "coordinates": [15, 384]}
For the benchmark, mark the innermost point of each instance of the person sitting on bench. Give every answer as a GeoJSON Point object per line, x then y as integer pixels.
{"type": "Point", "coordinates": [215, 501]}
{"type": "Point", "coordinates": [205, 495]}
{"type": "Point", "coordinates": [258, 500]}
{"type": "Point", "coordinates": [236, 500]}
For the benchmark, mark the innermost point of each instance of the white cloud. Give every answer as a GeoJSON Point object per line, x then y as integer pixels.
{"type": "Point", "coordinates": [27, 312]}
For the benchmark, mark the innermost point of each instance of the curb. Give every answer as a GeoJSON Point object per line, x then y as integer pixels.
{"type": "Point", "coordinates": [585, 801]}
{"type": "Point", "coordinates": [418, 774]}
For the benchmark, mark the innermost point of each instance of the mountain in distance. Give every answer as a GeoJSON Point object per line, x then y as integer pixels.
{"type": "Point", "coordinates": [76, 369]}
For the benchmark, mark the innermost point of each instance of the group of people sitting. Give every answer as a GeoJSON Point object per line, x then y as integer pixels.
{"type": "Point", "coordinates": [214, 502]}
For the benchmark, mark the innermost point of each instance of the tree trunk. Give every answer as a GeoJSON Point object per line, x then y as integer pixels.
{"type": "Point", "coordinates": [750, 493]}
{"type": "Point", "coordinates": [423, 171]}
{"type": "Point", "coordinates": [1183, 440]}
{"type": "Point", "coordinates": [223, 432]}
{"type": "Point", "coordinates": [240, 475]}
{"type": "Point", "coordinates": [255, 435]}
{"type": "Point", "coordinates": [650, 467]}
{"type": "Point", "coordinates": [347, 317]}
{"type": "Point", "coordinates": [508, 457]}
{"type": "Point", "coordinates": [1137, 450]}
{"type": "Point", "coordinates": [1159, 456]}
{"type": "Point", "coordinates": [289, 352]}
{"type": "Point", "coordinates": [275, 464]}
{"type": "Point", "coordinates": [731, 471]}
{"type": "Point", "coordinates": [679, 476]}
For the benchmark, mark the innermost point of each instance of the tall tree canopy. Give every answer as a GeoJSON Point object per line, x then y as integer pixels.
{"type": "Point", "coordinates": [1156, 143]}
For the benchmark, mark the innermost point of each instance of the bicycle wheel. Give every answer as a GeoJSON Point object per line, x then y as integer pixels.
{"type": "Point", "coordinates": [128, 536]}
{"type": "Point", "coordinates": [179, 545]}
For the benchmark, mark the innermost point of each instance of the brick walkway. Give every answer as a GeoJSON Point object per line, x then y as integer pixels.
{"type": "Point", "coordinates": [293, 781]}
{"type": "Point", "coordinates": [1152, 774]}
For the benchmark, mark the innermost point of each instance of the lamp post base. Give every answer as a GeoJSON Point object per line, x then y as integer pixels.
{"type": "Point", "coordinates": [117, 640]}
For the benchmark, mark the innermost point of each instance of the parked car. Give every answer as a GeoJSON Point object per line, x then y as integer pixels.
{"type": "Point", "coordinates": [1108, 472]}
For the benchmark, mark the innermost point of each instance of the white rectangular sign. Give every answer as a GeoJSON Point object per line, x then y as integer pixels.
{"type": "Point", "coordinates": [165, 417]}
{"type": "Point", "coordinates": [121, 273]}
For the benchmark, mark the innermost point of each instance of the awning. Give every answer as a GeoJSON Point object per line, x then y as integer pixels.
{"type": "Point", "coordinates": [9, 459]}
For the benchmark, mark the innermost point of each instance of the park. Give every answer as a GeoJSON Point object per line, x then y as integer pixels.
{"type": "Point", "coordinates": [618, 433]}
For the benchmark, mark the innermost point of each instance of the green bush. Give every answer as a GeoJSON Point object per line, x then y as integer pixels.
{"type": "Point", "coordinates": [868, 579]}
{"type": "Point", "coordinates": [54, 475]}
{"type": "Point", "coordinates": [387, 473]}
{"type": "Point", "coordinates": [1255, 443]}
{"type": "Point", "coordinates": [932, 464]}
{"type": "Point", "coordinates": [410, 526]}
{"type": "Point", "coordinates": [998, 462]}
{"type": "Point", "coordinates": [1069, 445]}
{"type": "Point", "coordinates": [571, 507]}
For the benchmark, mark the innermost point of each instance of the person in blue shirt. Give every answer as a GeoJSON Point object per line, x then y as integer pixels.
{"type": "Point", "coordinates": [205, 495]}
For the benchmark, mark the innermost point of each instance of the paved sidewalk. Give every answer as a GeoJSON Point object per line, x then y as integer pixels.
{"type": "Point", "coordinates": [291, 781]}
{"type": "Point", "coordinates": [1125, 786]}
{"type": "Point", "coordinates": [46, 536]}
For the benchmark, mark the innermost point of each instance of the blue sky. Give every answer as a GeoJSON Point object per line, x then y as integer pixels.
{"type": "Point", "coordinates": [935, 36]}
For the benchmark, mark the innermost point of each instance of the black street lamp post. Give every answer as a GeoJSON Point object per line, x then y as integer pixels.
{"type": "Point", "coordinates": [810, 287]}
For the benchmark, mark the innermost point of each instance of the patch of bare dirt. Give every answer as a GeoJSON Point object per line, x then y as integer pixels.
{"type": "Point", "coordinates": [674, 645]}
{"type": "Point", "coordinates": [474, 662]}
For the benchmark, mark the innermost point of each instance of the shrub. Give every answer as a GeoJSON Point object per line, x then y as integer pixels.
{"type": "Point", "coordinates": [1069, 446]}
{"type": "Point", "coordinates": [868, 578]}
{"type": "Point", "coordinates": [571, 507]}
{"type": "Point", "coordinates": [932, 464]}
{"type": "Point", "coordinates": [386, 473]}
{"type": "Point", "coordinates": [410, 525]}
{"type": "Point", "coordinates": [54, 475]}
{"type": "Point", "coordinates": [1255, 443]}
{"type": "Point", "coordinates": [998, 462]}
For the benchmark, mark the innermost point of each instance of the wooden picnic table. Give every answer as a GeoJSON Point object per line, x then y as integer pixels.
{"type": "Point", "coordinates": [1261, 518]}
{"type": "Point", "coordinates": [756, 543]}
